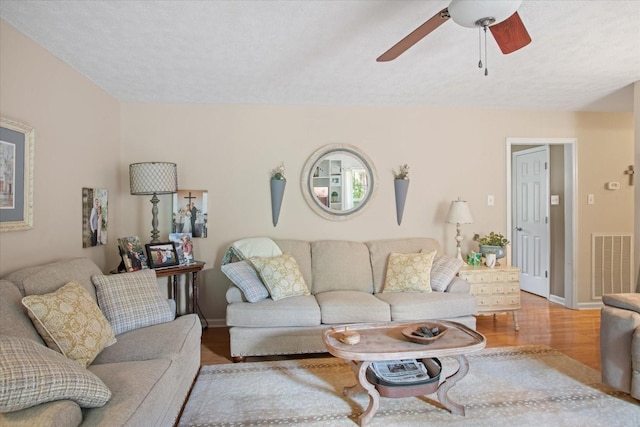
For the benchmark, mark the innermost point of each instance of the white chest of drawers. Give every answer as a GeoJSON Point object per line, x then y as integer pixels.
{"type": "Point", "coordinates": [496, 289]}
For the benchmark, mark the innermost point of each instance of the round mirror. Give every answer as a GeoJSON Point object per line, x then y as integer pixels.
{"type": "Point", "coordinates": [338, 181]}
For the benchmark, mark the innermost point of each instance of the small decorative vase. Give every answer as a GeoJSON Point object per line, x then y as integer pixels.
{"type": "Point", "coordinates": [401, 187]}
{"type": "Point", "coordinates": [497, 250]}
{"type": "Point", "coordinates": [277, 194]}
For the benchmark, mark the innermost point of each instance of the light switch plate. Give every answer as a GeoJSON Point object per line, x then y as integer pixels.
{"type": "Point", "coordinates": [491, 200]}
{"type": "Point", "coordinates": [591, 199]}
{"type": "Point", "coordinates": [555, 199]}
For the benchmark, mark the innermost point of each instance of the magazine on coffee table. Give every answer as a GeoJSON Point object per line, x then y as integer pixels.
{"type": "Point", "coordinates": [405, 371]}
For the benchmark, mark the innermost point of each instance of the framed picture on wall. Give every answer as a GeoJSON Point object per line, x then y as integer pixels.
{"type": "Point", "coordinates": [190, 212]}
{"type": "Point", "coordinates": [162, 255]}
{"type": "Point", "coordinates": [16, 175]}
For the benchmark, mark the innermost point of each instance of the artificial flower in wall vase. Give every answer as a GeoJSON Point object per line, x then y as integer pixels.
{"type": "Point", "coordinates": [401, 184]}
{"type": "Point", "coordinates": [278, 182]}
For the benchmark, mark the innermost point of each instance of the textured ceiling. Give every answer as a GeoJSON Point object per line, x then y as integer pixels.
{"type": "Point", "coordinates": [585, 55]}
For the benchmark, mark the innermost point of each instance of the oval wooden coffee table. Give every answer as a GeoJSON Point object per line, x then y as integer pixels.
{"type": "Point", "coordinates": [385, 341]}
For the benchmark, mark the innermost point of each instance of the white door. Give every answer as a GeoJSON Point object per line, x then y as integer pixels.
{"type": "Point", "coordinates": [531, 218]}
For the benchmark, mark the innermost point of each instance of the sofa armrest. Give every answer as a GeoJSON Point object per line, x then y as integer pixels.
{"type": "Point", "coordinates": [458, 285]}
{"type": "Point", "coordinates": [617, 329]}
{"type": "Point", "coordinates": [626, 301]}
{"type": "Point", "coordinates": [234, 294]}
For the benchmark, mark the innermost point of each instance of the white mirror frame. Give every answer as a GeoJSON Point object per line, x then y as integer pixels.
{"type": "Point", "coordinates": [306, 181]}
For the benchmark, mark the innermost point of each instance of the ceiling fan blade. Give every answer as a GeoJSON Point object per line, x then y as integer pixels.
{"type": "Point", "coordinates": [418, 34]}
{"type": "Point", "coordinates": [510, 34]}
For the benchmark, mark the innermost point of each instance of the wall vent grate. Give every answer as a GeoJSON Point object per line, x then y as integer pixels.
{"type": "Point", "coordinates": [611, 264]}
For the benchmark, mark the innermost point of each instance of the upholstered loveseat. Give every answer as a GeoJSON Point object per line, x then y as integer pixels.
{"type": "Point", "coordinates": [347, 282]}
{"type": "Point", "coordinates": [143, 378]}
{"type": "Point", "coordinates": [620, 342]}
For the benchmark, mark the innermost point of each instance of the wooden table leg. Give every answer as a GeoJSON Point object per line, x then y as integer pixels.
{"type": "Point", "coordinates": [360, 369]}
{"type": "Point", "coordinates": [515, 321]}
{"type": "Point", "coordinates": [449, 382]}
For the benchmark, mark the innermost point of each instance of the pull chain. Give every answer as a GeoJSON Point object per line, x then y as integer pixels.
{"type": "Point", "coordinates": [479, 47]}
{"type": "Point", "coordinates": [486, 63]}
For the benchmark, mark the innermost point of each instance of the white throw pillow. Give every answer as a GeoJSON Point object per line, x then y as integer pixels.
{"type": "Point", "coordinates": [132, 300]}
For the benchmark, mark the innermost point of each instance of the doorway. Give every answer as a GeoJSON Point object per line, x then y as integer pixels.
{"type": "Point", "coordinates": [563, 258]}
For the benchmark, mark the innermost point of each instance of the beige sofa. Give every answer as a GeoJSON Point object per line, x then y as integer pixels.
{"type": "Point", "coordinates": [149, 371]}
{"type": "Point", "coordinates": [345, 280]}
{"type": "Point", "coordinates": [620, 342]}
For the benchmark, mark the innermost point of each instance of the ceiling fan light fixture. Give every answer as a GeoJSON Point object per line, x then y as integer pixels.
{"type": "Point", "coordinates": [470, 13]}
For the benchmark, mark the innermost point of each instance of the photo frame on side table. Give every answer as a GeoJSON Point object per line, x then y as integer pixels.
{"type": "Point", "coordinates": [132, 253]}
{"type": "Point", "coordinates": [16, 175]}
{"type": "Point", "coordinates": [184, 247]}
{"type": "Point", "coordinates": [162, 255]}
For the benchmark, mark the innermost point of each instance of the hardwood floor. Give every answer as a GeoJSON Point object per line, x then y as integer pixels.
{"type": "Point", "coordinates": [575, 333]}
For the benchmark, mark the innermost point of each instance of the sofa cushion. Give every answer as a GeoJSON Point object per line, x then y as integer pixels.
{"type": "Point", "coordinates": [281, 276]}
{"type": "Point", "coordinates": [245, 277]}
{"type": "Point", "coordinates": [59, 413]}
{"type": "Point", "coordinates": [162, 341]}
{"type": "Point", "coordinates": [70, 322]}
{"type": "Point", "coordinates": [409, 272]}
{"type": "Point", "coordinates": [141, 390]}
{"type": "Point", "coordinates": [352, 307]}
{"type": "Point", "coordinates": [13, 315]}
{"type": "Point", "coordinates": [301, 251]}
{"type": "Point", "coordinates": [132, 300]}
{"type": "Point", "coordinates": [44, 279]}
{"type": "Point", "coordinates": [379, 251]}
{"type": "Point", "coordinates": [444, 269]}
{"type": "Point", "coordinates": [294, 311]}
{"type": "Point", "coordinates": [339, 266]}
{"type": "Point", "coordinates": [434, 305]}
{"type": "Point", "coordinates": [32, 374]}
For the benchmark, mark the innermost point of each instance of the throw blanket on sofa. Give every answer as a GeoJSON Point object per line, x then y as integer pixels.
{"type": "Point", "coordinates": [250, 247]}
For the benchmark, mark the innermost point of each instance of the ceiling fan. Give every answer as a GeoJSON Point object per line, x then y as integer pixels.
{"type": "Point", "coordinates": [501, 17]}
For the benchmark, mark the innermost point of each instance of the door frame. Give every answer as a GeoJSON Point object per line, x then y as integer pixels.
{"type": "Point", "coordinates": [570, 299]}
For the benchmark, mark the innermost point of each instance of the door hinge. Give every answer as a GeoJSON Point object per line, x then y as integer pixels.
{"type": "Point", "coordinates": [546, 166]}
{"type": "Point", "coordinates": [546, 220]}
{"type": "Point", "coordinates": [546, 274]}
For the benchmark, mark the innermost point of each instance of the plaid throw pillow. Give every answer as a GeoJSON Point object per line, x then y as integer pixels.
{"type": "Point", "coordinates": [444, 269]}
{"type": "Point", "coordinates": [32, 374]}
{"type": "Point", "coordinates": [245, 277]}
{"type": "Point", "coordinates": [131, 300]}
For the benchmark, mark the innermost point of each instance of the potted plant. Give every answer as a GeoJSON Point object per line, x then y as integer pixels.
{"type": "Point", "coordinates": [492, 243]}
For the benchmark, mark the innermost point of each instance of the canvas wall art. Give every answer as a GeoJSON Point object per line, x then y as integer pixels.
{"type": "Point", "coordinates": [190, 212]}
{"type": "Point", "coordinates": [95, 208]}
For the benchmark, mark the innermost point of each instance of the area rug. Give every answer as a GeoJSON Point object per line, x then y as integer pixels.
{"type": "Point", "coordinates": [509, 386]}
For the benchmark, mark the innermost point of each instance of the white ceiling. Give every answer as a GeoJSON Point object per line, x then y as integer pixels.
{"type": "Point", "coordinates": [585, 55]}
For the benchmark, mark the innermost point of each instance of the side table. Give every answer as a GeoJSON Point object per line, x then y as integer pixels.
{"type": "Point", "coordinates": [173, 272]}
{"type": "Point", "coordinates": [497, 289]}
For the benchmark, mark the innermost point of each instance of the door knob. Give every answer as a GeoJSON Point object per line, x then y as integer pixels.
{"type": "Point", "coordinates": [518, 228]}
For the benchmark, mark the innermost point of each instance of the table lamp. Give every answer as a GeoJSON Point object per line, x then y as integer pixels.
{"type": "Point", "coordinates": [459, 213]}
{"type": "Point", "coordinates": [153, 178]}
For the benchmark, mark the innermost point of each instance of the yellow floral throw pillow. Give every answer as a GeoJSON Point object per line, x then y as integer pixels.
{"type": "Point", "coordinates": [281, 275]}
{"type": "Point", "coordinates": [70, 322]}
{"type": "Point", "coordinates": [409, 272]}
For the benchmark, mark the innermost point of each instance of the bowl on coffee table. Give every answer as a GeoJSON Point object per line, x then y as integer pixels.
{"type": "Point", "coordinates": [424, 332]}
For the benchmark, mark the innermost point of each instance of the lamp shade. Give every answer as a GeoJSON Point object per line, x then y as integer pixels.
{"type": "Point", "coordinates": [153, 178]}
{"type": "Point", "coordinates": [459, 213]}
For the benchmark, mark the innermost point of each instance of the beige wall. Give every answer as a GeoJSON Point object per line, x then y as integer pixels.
{"type": "Point", "coordinates": [85, 138]}
{"type": "Point", "coordinates": [77, 144]}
